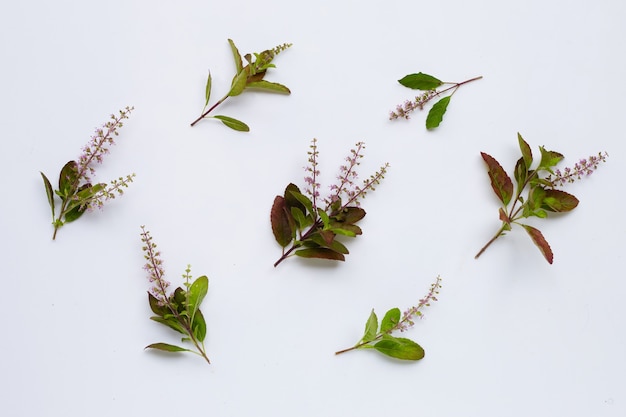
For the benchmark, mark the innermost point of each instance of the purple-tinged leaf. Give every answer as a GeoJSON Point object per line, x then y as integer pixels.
{"type": "Point", "coordinates": [400, 348]}
{"type": "Point", "coordinates": [290, 200]}
{"type": "Point", "coordinates": [320, 253]}
{"type": "Point", "coordinates": [68, 180]}
{"type": "Point", "coordinates": [420, 81]}
{"type": "Point", "coordinates": [503, 216]}
{"type": "Point", "coordinates": [318, 240]}
{"type": "Point", "coordinates": [559, 201]}
{"type": "Point", "coordinates": [166, 347]}
{"type": "Point", "coordinates": [282, 225]}
{"type": "Point", "coordinates": [500, 181]}
{"type": "Point", "coordinates": [435, 115]}
{"type": "Point", "coordinates": [527, 153]}
{"type": "Point", "coordinates": [540, 241]}
{"type": "Point", "coordinates": [521, 172]}
{"type": "Point", "coordinates": [156, 307]}
{"type": "Point", "coordinates": [350, 215]}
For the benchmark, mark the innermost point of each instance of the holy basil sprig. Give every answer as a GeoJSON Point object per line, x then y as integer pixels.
{"type": "Point", "coordinates": [179, 310]}
{"type": "Point", "coordinates": [311, 230]}
{"type": "Point", "coordinates": [378, 336]}
{"type": "Point", "coordinates": [249, 76]}
{"type": "Point", "coordinates": [542, 196]}
{"type": "Point", "coordinates": [433, 88]}
{"type": "Point", "coordinates": [76, 191]}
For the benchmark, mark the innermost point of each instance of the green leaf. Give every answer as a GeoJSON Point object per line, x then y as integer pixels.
{"type": "Point", "coordinates": [233, 123]}
{"type": "Point", "coordinates": [371, 328]}
{"type": "Point", "coordinates": [435, 115]}
{"type": "Point", "coordinates": [178, 300]}
{"type": "Point", "coordinates": [527, 154]}
{"type": "Point", "coordinates": [207, 90]}
{"type": "Point", "coordinates": [324, 217]}
{"type": "Point", "coordinates": [85, 193]}
{"type": "Point", "coordinates": [304, 200]}
{"type": "Point", "coordinates": [500, 181]}
{"type": "Point", "coordinates": [390, 321]}
{"type": "Point", "coordinates": [549, 159]}
{"type": "Point", "coordinates": [156, 307]}
{"type": "Point", "coordinates": [196, 293]}
{"type": "Point", "coordinates": [301, 220]}
{"type": "Point", "coordinates": [282, 222]}
{"type": "Point", "coordinates": [559, 201]}
{"type": "Point", "coordinates": [170, 322]}
{"type": "Point", "coordinates": [350, 230]}
{"type": "Point", "coordinates": [320, 240]}
{"type": "Point", "coordinates": [198, 326]}
{"type": "Point", "coordinates": [167, 347]}
{"type": "Point", "coordinates": [540, 241]}
{"type": "Point", "coordinates": [320, 253]}
{"type": "Point", "coordinates": [400, 348]}
{"type": "Point", "coordinates": [68, 180]}
{"type": "Point", "coordinates": [236, 56]}
{"type": "Point", "coordinates": [238, 84]}
{"type": "Point", "coordinates": [75, 213]}
{"type": "Point", "coordinates": [420, 81]}
{"type": "Point", "coordinates": [49, 191]}
{"type": "Point", "coordinates": [270, 86]}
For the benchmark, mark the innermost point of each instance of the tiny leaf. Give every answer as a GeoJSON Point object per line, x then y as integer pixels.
{"type": "Point", "coordinates": [321, 253]}
{"type": "Point", "coordinates": [500, 181]}
{"type": "Point", "coordinates": [282, 225]}
{"type": "Point", "coordinates": [371, 328]}
{"type": "Point", "coordinates": [49, 191]}
{"type": "Point", "coordinates": [236, 56]}
{"type": "Point", "coordinates": [207, 92]}
{"type": "Point", "coordinates": [233, 123]}
{"type": "Point", "coordinates": [435, 115]}
{"type": "Point", "coordinates": [390, 321]}
{"type": "Point", "coordinates": [527, 153]}
{"type": "Point", "coordinates": [270, 86]}
{"type": "Point", "coordinates": [400, 348]}
{"type": "Point", "coordinates": [540, 241]}
{"type": "Point", "coordinates": [420, 81]}
{"type": "Point", "coordinates": [521, 172]}
{"type": "Point", "coordinates": [167, 347]}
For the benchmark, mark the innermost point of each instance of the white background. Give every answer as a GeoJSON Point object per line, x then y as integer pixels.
{"type": "Point", "coordinates": [511, 334]}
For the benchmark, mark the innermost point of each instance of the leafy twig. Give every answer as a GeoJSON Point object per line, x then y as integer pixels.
{"type": "Point", "coordinates": [380, 338]}
{"type": "Point", "coordinates": [430, 85]}
{"type": "Point", "coordinates": [312, 230]}
{"type": "Point", "coordinates": [250, 76]}
{"type": "Point", "coordinates": [542, 196]}
{"type": "Point", "coordinates": [179, 310]}
{"type": "Point", "coordinates": [75, 189]}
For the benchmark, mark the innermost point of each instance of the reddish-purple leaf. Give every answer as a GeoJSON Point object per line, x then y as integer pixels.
{"type": "Point", "coordinates": [321, 253]}
{"type": "Point", "coordinates": [540, 241]}
{"type": "Point", "coordinates": [559, 201]}
{"type": "Point", "coordinates": [500, 181]}
{"type": "Point", "coordinates": [282, 225]}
